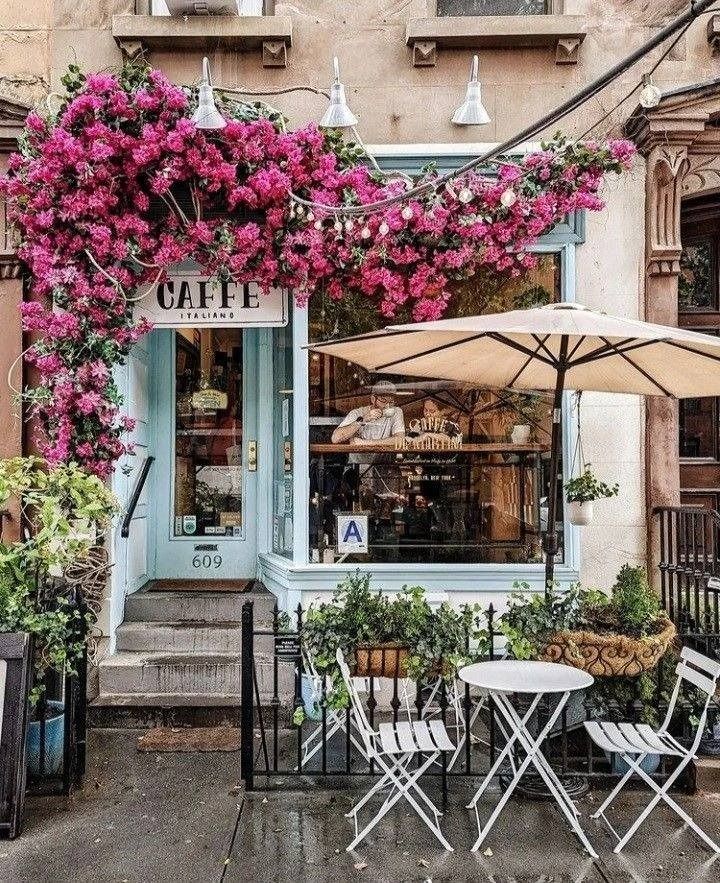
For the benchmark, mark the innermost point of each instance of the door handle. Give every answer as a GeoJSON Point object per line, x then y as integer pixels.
{"type": "Point", "coordinates": [252, 456]}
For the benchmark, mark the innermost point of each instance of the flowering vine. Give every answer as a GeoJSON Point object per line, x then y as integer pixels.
{"type": "Point", "coordinates": [117, 186]}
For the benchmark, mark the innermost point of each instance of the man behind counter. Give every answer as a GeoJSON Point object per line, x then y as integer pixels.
{"type": "Point", "coordinates": [380, 423]}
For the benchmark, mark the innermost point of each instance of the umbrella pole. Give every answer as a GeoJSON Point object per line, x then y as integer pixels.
{"type": "Point", "coordinates": [550, 540]}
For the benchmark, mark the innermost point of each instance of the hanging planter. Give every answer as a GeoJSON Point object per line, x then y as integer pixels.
{"type": "Point", "coordinates": [580, 513]}
{"type": "Point", "coordinates": [582, 490]}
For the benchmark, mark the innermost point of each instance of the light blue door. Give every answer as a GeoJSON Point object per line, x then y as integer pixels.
{"type": "Point", "coordinates": [205, 482]}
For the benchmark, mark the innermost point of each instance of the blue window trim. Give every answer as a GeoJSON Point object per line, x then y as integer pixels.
{"type": "Point", "coordinates": [291, 579]}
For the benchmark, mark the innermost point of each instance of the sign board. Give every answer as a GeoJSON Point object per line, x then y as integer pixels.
{"type": "Point", "coordinates": [190, 300]}
{"type": "Point", "coordinates": [287, 646]}
{"type": "Point", "coordinates": [352, 534]}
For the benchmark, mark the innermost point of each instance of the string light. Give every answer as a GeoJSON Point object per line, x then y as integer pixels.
{"type": "Point", "coordinates": [465, 195]}
{"type": "Point", "coordinates": [365, 232]}
{"type": "Point", "coordinates": [383, 229]}
{"type": "Point", "coordinates": [508, 198]}
{"type": "Point", "coordinates": [407, 213]}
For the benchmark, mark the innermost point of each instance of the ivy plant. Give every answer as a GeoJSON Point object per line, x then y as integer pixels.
{"type": "Point", "coordinates": [62, 508]}
{"type": "Point", "coordinates": [586, 487]}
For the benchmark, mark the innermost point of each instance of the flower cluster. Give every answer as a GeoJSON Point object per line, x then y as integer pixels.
{"type": "Point", "coordinates": [119, 186]}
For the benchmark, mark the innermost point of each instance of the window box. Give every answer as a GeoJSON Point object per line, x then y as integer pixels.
{"type": "Point", "coordinates": [206, 33]}
{"type": "Point", "coordinates": [564, 33]}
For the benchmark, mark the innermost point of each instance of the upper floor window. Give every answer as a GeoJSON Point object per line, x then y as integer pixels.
{"type": "Point", "coordinates": [496, 7]}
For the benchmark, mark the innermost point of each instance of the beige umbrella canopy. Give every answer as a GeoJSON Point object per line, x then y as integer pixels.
{"type": "Point", "coordinates": [557, 347]}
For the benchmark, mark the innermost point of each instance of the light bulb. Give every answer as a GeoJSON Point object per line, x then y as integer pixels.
{"type": "Point", "coordinates": [338, 227]}
{"type": "Point", "coordinates": [349, 224]}
{"type": "Point", "coordinates": [310, 216]}
{"type": "Point", "coordinates": [650, 94]}
{"type": "Point", "coordinates": [300, 211]}
{"type": "Point", "coordinates": [465, 195]}
{"type": "Point", "coordinates": [509, 198]}
{"type": "Point", "coordinates": [365, 232]}
{"type": "Point", "coordinates": [318, 225]}
{"type": "Point", "coordinates": [383, 229]}
{"type": "Point", "coordinates": [407, 213]}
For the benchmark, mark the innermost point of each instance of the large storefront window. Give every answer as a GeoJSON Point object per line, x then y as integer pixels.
{"type": "Point", "coordinates": [442, 472]}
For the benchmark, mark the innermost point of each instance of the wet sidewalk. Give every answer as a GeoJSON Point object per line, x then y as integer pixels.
{"type": "Point", "coordinates": [181, 817]}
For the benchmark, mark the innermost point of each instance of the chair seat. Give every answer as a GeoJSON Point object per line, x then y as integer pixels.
{"type": "Point", "coordinates": [410, 737]}
{"type": "Point", "coordinates": [629, 738]}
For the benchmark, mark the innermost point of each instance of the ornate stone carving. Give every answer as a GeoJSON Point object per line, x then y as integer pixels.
{"type": "Point", "coordinates": [667, 166]}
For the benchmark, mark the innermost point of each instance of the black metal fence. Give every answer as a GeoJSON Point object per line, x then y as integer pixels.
{"type": "Point", "coordinates": [278, 742]}
{"type": "Point", "coordinates": [58, 721]}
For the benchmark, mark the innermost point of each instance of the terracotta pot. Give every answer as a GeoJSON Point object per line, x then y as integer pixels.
{"type": "Point", "coordinates": [579, 513]}
{"type": "Point", "coordinates": [609, 655]}
{"type": "Point", "coordinates": [381, 661]}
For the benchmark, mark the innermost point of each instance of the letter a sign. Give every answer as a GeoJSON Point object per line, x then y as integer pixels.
{"type": "Point", "coordinates": [352, 534]}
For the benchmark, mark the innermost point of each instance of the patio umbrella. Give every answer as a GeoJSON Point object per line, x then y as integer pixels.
{"type": "Point", "coordinates": [557, 347]}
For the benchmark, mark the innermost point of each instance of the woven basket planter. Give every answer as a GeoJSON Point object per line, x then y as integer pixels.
{"type": "Point", "coordinates": [609, 655]}
{"type": "Point", "coordinates": [381, 661]}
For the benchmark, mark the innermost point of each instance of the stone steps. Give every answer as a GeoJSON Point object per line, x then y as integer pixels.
{"type": "Point", "coordinates": [179, 649]}
{"type": "Point", "coordinates": [183, 606]}
{"type": "Point", "coordinates": [179, 637]}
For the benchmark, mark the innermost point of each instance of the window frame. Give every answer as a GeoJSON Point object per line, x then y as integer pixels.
{"type": "Point", "coordinates": [555, 7]}
{"type": "Point", "coordinates": [563, 240]}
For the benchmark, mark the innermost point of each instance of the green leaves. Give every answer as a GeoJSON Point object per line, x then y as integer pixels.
{"type": "Point", "coordinates": [440, 640]}
{"type": "Point", "coordinates": [62, 508]}
{"type": "Point", "coordinates": [586, 488]}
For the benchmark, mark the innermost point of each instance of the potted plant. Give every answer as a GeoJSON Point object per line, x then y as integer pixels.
{"type": "Point", "coordinates": [62, 508]}
{"type": "Point", "coordinates": [621, 634]}
{"type": "Point", "coordinates": [524, 410]}
{"type": "Point", "coordinates": [380, 636]}
{"type": "Point", "coordinates": [582, 491]}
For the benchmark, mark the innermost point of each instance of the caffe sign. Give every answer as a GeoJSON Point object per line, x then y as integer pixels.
{"type": "Point", "coordinates": [193, 301]}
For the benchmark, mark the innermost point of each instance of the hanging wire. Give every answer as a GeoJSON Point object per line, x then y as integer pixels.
{"type": "Point", "coordinates": [697, 9]}
{"type": "Point", "coordinates": [637, 86]}
{"type": "Point", "coordinates": [578, 453]}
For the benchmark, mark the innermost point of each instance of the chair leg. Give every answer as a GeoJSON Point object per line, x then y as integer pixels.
{"type": "Point", "coordinates": [403, 790]}
{"type": "Point", "coordinates": [615, 791]}
{"type": "Point", "coordinates": [662, 794]}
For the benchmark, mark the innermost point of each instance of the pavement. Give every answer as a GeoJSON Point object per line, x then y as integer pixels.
{"type": "Point", "coordinates": [182, 816]}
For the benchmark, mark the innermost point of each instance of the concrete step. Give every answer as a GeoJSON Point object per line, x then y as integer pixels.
{"type": "Point", "coordinates": [207, 607]}
{"type": "Point", "coordinates": [186, 674]}
{"type": "Point", "coordinates": [180, 637]}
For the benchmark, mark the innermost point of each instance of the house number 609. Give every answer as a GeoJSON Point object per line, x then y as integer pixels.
{"type": "Point", "coordinates": [207, 561]}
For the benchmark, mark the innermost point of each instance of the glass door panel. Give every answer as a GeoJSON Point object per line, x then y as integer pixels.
{"type": "Point", "coordinates": [206, 441]}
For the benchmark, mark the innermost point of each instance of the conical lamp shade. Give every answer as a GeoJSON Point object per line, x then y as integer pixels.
{"type": "Point", "coordinates": [207, 116]}
{"type": "Point", "coordinates": [338, 115]}
{"type": "Point", "coordinates": [472, 111]}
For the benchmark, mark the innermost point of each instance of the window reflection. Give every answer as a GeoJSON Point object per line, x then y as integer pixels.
{"type": "Point", "coordinates": [208, 432]}
{"type": "Point", "coordinates": [443, 472]}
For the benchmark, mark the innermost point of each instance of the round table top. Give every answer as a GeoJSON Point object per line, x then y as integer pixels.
{"type": "Point", "coordinates": [521, 676]}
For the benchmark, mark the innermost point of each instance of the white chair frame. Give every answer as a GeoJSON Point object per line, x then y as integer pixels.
{"type": "Point", "coordinates": [392, 747]}
{"type": "Point", "coordinates": [335, 720]}
{"type": "Point", "coordinates": [634, 742]}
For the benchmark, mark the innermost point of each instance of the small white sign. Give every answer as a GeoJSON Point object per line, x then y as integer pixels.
{"type": "Point", "coordinates": [191, 300]}
{"type": "Point", "coordinates": [352, 534]}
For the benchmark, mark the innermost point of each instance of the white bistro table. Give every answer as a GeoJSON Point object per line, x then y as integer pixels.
{"type": "Point", "coordinates": [501, 679]}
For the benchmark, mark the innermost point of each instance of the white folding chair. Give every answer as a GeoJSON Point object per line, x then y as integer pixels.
{"type": "Point", "coordinates": [392, 747]}
{"type": "Point", "coordinates": [633, 742]}
{"type": "Point", "coordinates": [334, 718]}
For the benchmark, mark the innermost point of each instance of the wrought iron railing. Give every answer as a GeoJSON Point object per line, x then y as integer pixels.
{"type": "Point", "coordinates": [275, 747]}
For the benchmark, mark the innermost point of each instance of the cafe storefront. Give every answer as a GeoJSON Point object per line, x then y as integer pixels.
{"type": "Point", "coordinates": [249, 478]}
